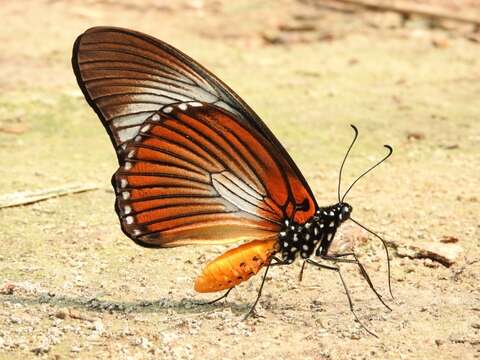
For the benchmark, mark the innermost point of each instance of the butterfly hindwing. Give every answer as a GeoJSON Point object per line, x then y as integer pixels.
{"type": "Point", "coordinates": [194, 175]}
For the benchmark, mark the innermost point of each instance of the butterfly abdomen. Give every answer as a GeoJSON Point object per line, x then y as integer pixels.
{"type": "Point", "coordinates": [236, 266]}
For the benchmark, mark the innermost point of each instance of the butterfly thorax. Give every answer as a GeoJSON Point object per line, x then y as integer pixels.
{"type": "Point", "coordinates": [315, 235]}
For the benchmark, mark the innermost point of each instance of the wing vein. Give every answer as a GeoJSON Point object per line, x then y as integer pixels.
{"type": "Point", "coordinates": [242, 164]}
{"type": "Point", "coordinates": [182, 146]}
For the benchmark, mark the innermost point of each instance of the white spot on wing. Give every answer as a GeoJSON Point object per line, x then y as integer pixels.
{"type": "Point", "coordinates": [195, 104]}
{"type": "Point", "coordinates": [145, 128]}
{"type": "Point", "coordinates": [167, 110]}
{"type": "Point", "coordinates": [155, 117]}
{"type": "Point", "coordinates": [123, 183]}
{"type": "Point", "coordinates": [127, 210]}
{"type": "Point", "coordinates": [128, 165]}
{"type": "Point", "coordinates": [182, 106]}
{"type": "Point", "coordinates": [129, 220]}
{"type": "Point", "coordinates": [125, 195]}
{"type": "Point", "coordinates": [128, 133]}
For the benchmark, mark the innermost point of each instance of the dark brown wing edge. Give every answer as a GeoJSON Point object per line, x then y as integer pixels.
{"type": "Point", "coordinates": [81, 85]}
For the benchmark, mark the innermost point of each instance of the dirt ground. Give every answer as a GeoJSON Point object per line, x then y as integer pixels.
{"type": "Point", "coordinates": [73, 286]}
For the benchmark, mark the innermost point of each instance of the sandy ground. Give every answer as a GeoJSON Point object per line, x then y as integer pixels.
{"type": "Point", "coordinates": [73, 286]}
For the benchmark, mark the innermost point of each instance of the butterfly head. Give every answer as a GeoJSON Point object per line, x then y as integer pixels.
{"type": "Point", "coordinates": [344, 211]}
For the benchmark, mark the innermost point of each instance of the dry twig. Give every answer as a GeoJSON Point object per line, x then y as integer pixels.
{"type": "Point", "coordinates": [30, 197]}
{"type": "Point", "coordinates": [409, 9]}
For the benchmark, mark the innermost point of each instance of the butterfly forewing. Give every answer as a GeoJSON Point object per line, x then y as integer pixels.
{"type": "Point", "coordinates": [197, 165]}
{"type": "Point", "coordinates": [128, 76]}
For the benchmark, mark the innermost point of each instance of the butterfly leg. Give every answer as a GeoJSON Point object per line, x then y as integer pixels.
{"type": "Point", "coordinates": [350, 303]}
{"type": "Point", "coordinates": [278, 262]}
{"type": "Point", "coordinates": [340, 258]}
{"type": "Point", "coordinates": [224, 296]}
{"type": "Point", "coordinates": [325, 257]}
{"type": "Point", "coordinates": [252, 311]}
{"type": "Point", "coordinates": [300, 276]}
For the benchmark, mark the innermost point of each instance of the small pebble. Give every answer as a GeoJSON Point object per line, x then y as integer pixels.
{"type": "Point", "coordinates": [61, 314]}
{"type": "Point", "coordinates": [39, 350]}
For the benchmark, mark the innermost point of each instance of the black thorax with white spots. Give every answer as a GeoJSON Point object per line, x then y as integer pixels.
{"type": "Point", "coordinates": [315, 235]}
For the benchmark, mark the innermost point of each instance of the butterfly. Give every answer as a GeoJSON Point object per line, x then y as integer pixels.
{"type": "Point", "coordinates": [198, 166]}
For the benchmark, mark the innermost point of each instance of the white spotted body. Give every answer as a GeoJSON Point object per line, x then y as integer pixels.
{"type": "Point", "coordinates": [315, 235]}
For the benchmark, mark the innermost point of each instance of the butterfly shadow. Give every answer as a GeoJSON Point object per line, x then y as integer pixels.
{"type": "Point", "coordinates": [96, 304]}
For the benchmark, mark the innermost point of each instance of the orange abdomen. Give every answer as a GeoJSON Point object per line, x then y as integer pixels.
{"type": "Point", "coordinates": [235, 266]}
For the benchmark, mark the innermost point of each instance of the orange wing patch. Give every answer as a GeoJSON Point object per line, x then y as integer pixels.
{"type": "Point", "coordinates": [194, 175]}
{"type": "Point", "coordinates": [236, 265]}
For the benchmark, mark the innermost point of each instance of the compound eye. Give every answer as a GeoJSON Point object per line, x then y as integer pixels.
{"type": "Point", "coordinates": [346, 212]}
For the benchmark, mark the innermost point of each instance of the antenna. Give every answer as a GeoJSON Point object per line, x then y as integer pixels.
{"type": "Point", "coordinates": [345, 158]}
{"type": "Point", "coordinates": [390, 151]}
